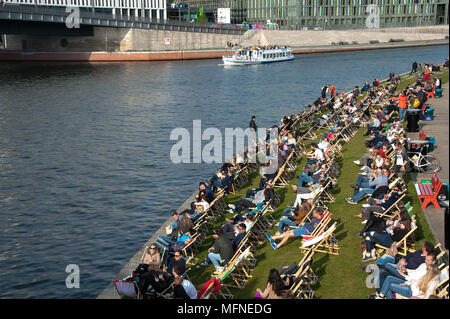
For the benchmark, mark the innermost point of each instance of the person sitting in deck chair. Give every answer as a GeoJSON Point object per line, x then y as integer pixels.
{"type": "Point", "coordinates": [294, 217]}
{"type": "Point", "coordinates": [177, 260]}
{"type": "Point", "coordinates": [261, 198]}
{"type": "Point", "coordinates": [386, 265]}
{"type": "Point", "coordinates": [275, 287]}
{"type": "Point", "coordinates": [188, 287]}
{"type": "Point", "coordinates": [152, 261]}
{"type": "Point", "coordinates": [221, 252]}
{"type": "Point", "coordinates": [242, 230]}
{"type": "Point", "coordinates": [305, 228]}
{"type": "Point", "coordinates": [365, 186]}
{"type": "Point", "coordinates": [379, 206]}
{"type": "Point", "coordinates": [306, 192]}
{"type": "Point", "coordinates": [395, 231]}
{"type": "Point", "coordinates": [183, 231]}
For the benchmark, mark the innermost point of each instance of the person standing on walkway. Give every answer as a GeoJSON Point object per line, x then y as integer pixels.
{"type": "Point", "coordinates": [402, 105]}
{"type": "Point", "coordinates": [414, 67]}
{"type": "Point", "coordinates": [325, 90]}
{"type": "Point", "coordinates": [252, 123]}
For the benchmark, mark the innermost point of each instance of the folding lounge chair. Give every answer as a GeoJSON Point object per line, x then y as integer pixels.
{"type": "Point", "coordinates": [404, 245]}
{"type": "Point", "coordinates": [127, 289]}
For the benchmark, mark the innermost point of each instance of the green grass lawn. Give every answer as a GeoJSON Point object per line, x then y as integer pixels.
{"type": "Point", "coordinates": [338, 276]}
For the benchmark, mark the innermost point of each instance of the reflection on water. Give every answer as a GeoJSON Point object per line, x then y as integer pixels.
{"type": "Point", "coordinates": [85, 176]}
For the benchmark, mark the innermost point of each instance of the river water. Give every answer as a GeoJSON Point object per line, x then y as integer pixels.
{"type": "Point", "coordinates": [85, 172]}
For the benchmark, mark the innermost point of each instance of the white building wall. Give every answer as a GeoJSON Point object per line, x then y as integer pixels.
{"type": "Point", "coordinates": [119, 4]}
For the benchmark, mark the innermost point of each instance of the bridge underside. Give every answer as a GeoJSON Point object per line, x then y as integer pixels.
{"type": "Point", "coordinates": [43, 28]}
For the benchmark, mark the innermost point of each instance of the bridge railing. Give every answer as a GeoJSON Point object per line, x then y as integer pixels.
{"type": "Point", "coordinates": [32, 13]}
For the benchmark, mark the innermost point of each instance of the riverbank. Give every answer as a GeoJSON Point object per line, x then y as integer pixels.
{"type": "Point", "coordinates": [92, 57]}
{"type": "Point", "coordinates": [329, 286]}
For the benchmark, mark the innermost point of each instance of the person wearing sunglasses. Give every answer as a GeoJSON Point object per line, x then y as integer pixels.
{"type": "Point", "coordinates": [151, 261]}
{"type": "Point", "coordinates": [177, 260]}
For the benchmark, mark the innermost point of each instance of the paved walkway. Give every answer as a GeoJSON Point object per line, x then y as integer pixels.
{"type": "Point", "coordinates": [439, 129]}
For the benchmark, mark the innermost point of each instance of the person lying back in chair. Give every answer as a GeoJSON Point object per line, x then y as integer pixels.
{"type": "Point", "coordinates": [305, 228]}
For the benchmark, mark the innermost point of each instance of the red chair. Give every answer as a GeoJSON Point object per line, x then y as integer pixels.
{"type": "Point", "coordinates": [430, 95]}
{"type": "Point", "coordinates": [429, 192]}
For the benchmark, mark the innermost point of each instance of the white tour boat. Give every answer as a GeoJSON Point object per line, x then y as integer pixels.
{"type": "Point", "coordinates": [258, 55]}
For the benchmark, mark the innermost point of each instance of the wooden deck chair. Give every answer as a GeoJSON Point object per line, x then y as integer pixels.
{"type": "Point", "coordinates": [441, 289]}
{"type": "Point", "coordinates": [324, 242]}
{"type": "Point", "coordinates": [190, 251]}
{"type": "Point", "coordinates": [210, 288]}
{"type": "Point", "coordinates": [165, 294]}
{"type": "Point", "coordinates": [300, 274]}
{"type": "Point", "coordinates": [127, 289]}
{"type": "Point", "coordinates": [393, 210]}
{"type": "Point", "coordinates": [279, 180]}
{"type": "Point", "coordinates": [403, 246]}
{"type": "Point", "coordinates": [242, 270]}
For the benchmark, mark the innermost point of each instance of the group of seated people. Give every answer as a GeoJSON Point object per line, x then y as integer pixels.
{"type": "Point", "coordinates": [314, 176]}
{"type": "Point", "coordinates": [413, 276]}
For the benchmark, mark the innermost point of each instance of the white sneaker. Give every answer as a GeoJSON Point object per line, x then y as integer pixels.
{"type": "Point", "coordinates": [230, 211]}
{"type": "Point", "coordinates": [357, 162]}
{"type": "Point", "coordinates": [276, 225]}
{"type": "Point", "coordinates": [363, 174]}
{"type": "Point", "coordinates": [364, 222]}
{"type": "Point", "coordinates": [364, 168]}
{"type": "Point", "coordinates": [231, 206]}
{"type": "Point", "coordinates": [365, 205]}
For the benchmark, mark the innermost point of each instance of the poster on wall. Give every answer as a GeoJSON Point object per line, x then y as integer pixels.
{"type": "Point", "coordinates": [223, 15]}
{"type": "Point", "coordinates": [166, 40]}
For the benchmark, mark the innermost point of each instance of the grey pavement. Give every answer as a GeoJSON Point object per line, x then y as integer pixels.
{"type": "Point", "coordinates": [439, 129]}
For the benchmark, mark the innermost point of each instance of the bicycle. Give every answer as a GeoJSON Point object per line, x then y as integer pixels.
{"type": "Point", "coordinates": [424, 163]}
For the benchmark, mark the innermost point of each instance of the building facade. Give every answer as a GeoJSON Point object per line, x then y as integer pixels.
{"type": "Point", "coordinates": [338, 14]}
{"type": "Point", "coordinates": [140, 8]}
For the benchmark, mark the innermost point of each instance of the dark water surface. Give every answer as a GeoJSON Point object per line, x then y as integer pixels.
{"type": "Point", "coordinates": [85, 174]}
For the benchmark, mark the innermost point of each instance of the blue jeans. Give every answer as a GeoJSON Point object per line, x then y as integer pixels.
{"type": "Point", "coordinates": [385, 259]}
{"type": "Point", "coordinates": [389, 269]}
{"type": "Point", "coordinates": [216, 181]}
{"type": "Point", "coordinates": [401, 114]}
{"type": "Point", "coordinates": [287, 212]}
{"type": "Point", "coordinates": [304, 178]}
{"type": "Point", "coordinates": [215, 258]}
{"type": "Point", "coordinates": [285, 221]}
{"type": "Point", "coordinates": [383, 239]}
{"type": "Point", "coordinates": [362, 182]}
{"type": "Point", "coordinates": [300, 231]}
{"type": "Point", "coordinates": [358, 195]}
{"type": "Point", "coordinates": [164, 241]}
{"type": "Point", "coordinates": [392, 284]}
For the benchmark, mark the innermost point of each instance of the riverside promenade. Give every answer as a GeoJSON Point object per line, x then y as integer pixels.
{"type": "Point", "coordinates": [439, 129]}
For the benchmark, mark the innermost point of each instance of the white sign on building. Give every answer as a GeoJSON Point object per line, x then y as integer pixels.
{"type": "Point", "coordinates": [223, 15]}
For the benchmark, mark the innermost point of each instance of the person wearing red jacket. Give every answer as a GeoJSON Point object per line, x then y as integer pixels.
{"type": "Point", "coordinates": [402, 105]}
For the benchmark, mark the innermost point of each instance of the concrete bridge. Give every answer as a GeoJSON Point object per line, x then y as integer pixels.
{"type": "Point", "coordinates": [89, 17]}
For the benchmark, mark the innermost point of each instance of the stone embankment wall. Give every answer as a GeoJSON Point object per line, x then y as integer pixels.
{"type": "Point", "coordinates": [298, 39]}
{"type": "Point", "coordinates": [135, 40]}
{"type": "Point", "coordinates": [122, 40]}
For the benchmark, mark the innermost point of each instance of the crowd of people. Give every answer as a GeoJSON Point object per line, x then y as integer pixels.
{"type": "Point", "coordinates": [383, 164]}
{"type": "Point", "coordinates": [385, 157]}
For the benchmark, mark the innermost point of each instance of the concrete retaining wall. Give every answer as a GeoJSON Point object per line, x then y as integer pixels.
{"type": "Point", "coordinates": [328, 37]}
{"type": "Point", "coordinates": [123, 40]}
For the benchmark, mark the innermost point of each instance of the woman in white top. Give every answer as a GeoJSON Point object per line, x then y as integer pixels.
{"type": "Point", "coordinates": [426, 285]}
{"type": "Point", "coordinates": [414, 287]}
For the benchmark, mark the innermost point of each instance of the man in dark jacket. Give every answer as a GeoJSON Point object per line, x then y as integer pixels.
{"type": "Point", "coordinates": [414, 67]}
{"type": "Point", "coordinates": [252, 123]}
{"type": "Point", "coordinates": [242, 229]}
{"type": "Point", "coordinates": [221, 252]}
